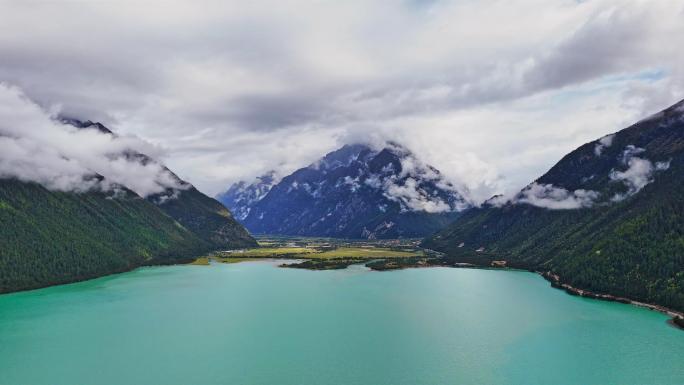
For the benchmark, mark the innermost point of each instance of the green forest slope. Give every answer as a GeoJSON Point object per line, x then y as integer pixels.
{"type": "Point", "coordinates": [49, 237]}
{"type": "Point", "coordinates": [633, 247]}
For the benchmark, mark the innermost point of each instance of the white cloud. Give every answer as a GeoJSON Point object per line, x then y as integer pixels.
{"type": "Point", "coordinates": [413, 198]}
{"type": "Point", "coordinates": [490, 93]}
{"type": "Point", "coordinates": [353, 183]}
{"type": "Point", "coordinates": [34, 147]}
{"type": "Point", "coordinates": [604, 142]}
{"type": "Point", "coordinates": [638, 174]}
{"type": "Point", "coordinates": [556, 198]}
{"type": "Point", "coordinates": [374, 181]}
{"type": "Point", "coordinates": [409, 186]}
{"type": "Point", "coordinates": [635, 177]}
{"type": "Point", "coordinates": [662, 166]}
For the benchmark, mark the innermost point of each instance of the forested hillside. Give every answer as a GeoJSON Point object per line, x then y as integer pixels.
{"type": "Point", "coordinates": [120, 209]}
{"type": "Point", "coordinates": [204, 216]}
{"type": "Point", "coordinates": [621, 229]}
{"type": "Point", "coordinates": [49, 237]}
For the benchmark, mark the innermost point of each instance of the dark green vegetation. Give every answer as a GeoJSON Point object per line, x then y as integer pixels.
{"type": "Point", "coordinates": [324, 253]}
{"type": "Point", "coordinates": [632, 248]}
{"type": "Point", "coordinates": [325, 264]}
{"type": "Point", "coordinates": [430, 259]}
{"type": "Point", "coordinates": [207, 218]}
{"type": "Point", "coordinates": [49, 237]}
{"type": "Point", "coordinates": [204, 216]}
{"type": "Point", "coordinates": [679, 322]}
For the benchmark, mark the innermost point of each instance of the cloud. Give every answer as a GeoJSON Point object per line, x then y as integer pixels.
{"type": "Point", "coordinates": [556, 198]}
{"type": "Point", "coordinates": [416, 186]}
{"type": "Point", "coordinates": [662, 166]}
{"type": "Point", "coordinates": [34, 147]}
{"type": "Point", "coordinates": [603, 143]}
{"type": "Point", "coordinates": [638, 174]}
{"type": "Point", "coordinates": [234, 89]}
{"type": "Point", "coordinates": [413, 198]}
{"type": "Point", "coordinates": [612, 39]}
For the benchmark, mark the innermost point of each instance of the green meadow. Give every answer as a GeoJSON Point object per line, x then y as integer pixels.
{"type": "Point", "coordinates": [316, 249]}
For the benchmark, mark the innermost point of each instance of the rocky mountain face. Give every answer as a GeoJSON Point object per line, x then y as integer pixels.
{"type": "Point", "coordinates": [240, 197]}
{"type": "Point", "coordinates": [354, 192]}
{"type": "Point", "coordinates": [608, 217]}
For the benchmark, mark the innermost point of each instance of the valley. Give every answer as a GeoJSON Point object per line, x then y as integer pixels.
{"type": "Point", "coordinates": [604, 222]}
{"type": "Point", "coordinates": [322, 253]}
{"type": "Point", "coordinates": [411, 192]}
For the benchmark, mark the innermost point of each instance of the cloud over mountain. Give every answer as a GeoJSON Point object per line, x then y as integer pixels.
{"type": "Point", "coordinates": [357, 191]}
{"type": "Point", "coordinates": [36, 147]}
{"type": "Point", "coordinates": [496, 91]}
{"type": "Point", "coordinates": [638, 174]}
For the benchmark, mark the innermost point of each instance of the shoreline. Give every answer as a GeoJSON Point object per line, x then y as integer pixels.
{"type": "Point", "coordinates": [676, 317]}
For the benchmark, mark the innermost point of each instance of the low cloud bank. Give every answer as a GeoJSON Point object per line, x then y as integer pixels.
{"type": "Point", "coordinates": [639, 172]}
{"type": "Point", "coordinates": [556, 198]}
{"type": "Point", "coordinates": [35, 147]}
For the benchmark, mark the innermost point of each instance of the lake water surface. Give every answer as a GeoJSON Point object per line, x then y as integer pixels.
{"type": "Point", "coordinates": [254, 323]}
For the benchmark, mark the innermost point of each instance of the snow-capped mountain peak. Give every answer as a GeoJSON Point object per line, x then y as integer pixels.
{"type": "Point", "coordinates": [355, 191]}
{"type": "Point", "coordinates": [241, 196]}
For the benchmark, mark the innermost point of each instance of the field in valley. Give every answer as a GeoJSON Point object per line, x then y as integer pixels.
{"type": "Point", "coordinates": [320, 253]}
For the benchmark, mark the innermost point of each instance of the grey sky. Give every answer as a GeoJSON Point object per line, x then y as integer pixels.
{"type": "Point", "coordinates": [492, 93]}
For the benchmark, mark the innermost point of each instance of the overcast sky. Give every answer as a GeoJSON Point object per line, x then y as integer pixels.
{"type": "Point", "coordinates": [492, 93]}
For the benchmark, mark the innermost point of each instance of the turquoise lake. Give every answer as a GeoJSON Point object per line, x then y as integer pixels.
{"type": "Point", "coordinates": [255, 323]}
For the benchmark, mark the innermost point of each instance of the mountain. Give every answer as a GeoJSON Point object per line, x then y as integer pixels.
{"type": "Point", "coordinates": [354, 192]}
{"type": "Point", "coordinates": [50, 237]}
{"type": "Point", "coordinates": [609, 217]}
{"type": "Point", "coordinates": [240, 197]}
{"type": "Point", "coordinates": [204, 216]}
